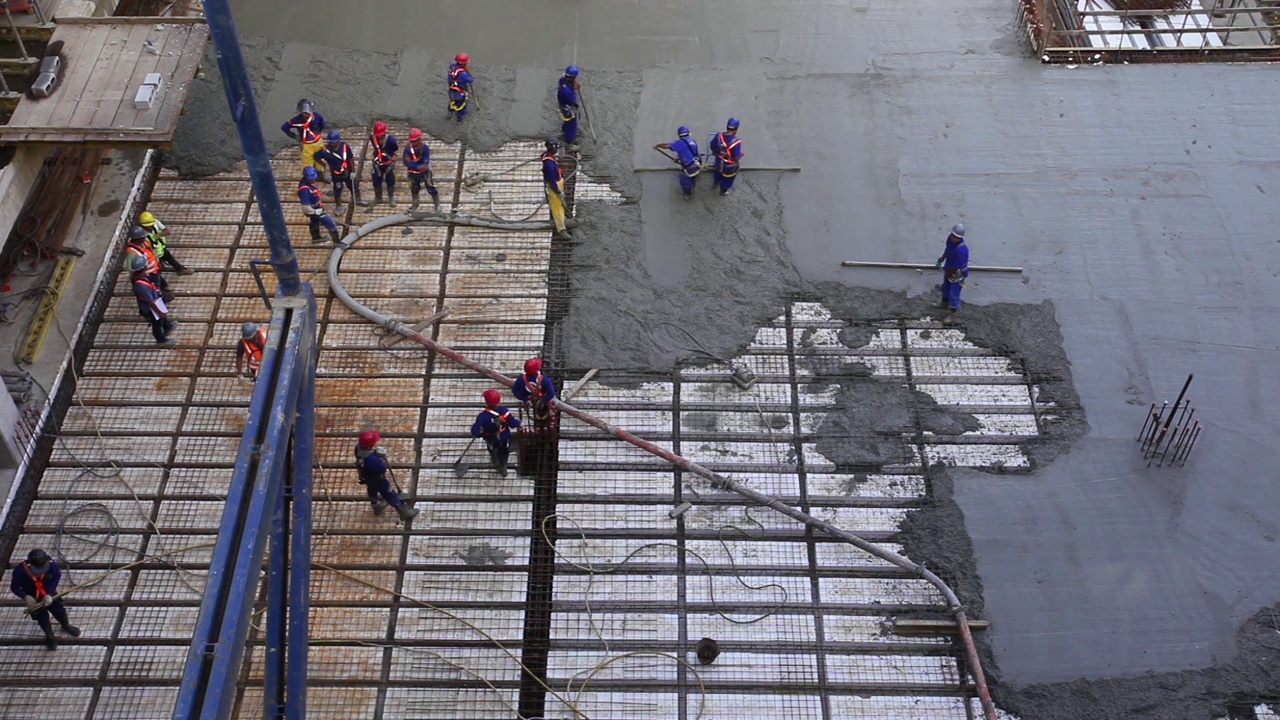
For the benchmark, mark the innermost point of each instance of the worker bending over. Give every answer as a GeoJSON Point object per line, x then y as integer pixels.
{"type": "Point", "coordinates": [253, 342]}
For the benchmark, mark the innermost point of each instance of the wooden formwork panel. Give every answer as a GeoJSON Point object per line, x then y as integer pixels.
{"type": "Point", "coordinates": [95, 622]}
{"type": "Point", "coordinates": [311, 257]}
{"type": "Point", "coordinates": [139, 418]}
{"type": "Point", "coordinates": [47, 515]}
{"type": "Point", "coordinates": [184, 235]}
{"type": "Point", "coordinates": [136, 703]}
{"type": "Point", "coordinates": [221, 360]}
{"type": "Point", "coordinates": [122, 389]}
{"type": "Point", "coordinates": [490, 285]}
{"type": "Point", "coordinates": [339, 450]}
{"type": "Point", "coordinates": [188, 212]}
{"type": "Point", "coordinates": [498, 309]}
{"type": "Point", "coordinates": [147, 662]}
{"type": "Point", "coordinates": [505, 359]}
{"type": "Point", "coordinates": [416, 235]}
{"type": "Point", "coordinates": [354, 664]}
{"type": "Point", "coordinates": [464, 391]}
{"type": "Point", "coordinates": [190, 515]}
{"type": "Point", "coordinates": [442, 588]}
{"type": "Point", "coordinates": [416, 284]}
{"type": "Point", "coordinates": [404, 259]}
{"type": "Point", "coordinates": [473, 238]}
{"type": "Point", "coordinates": [353, 515]}
{"type": "Point", "coordinates": [255, 236]}
{"type": "Point", "coordinates": [498, 259]}
{"type": "Point", "coordinates": [364, 363]}
{"type": "Point", "coordinates": [240, 309]}
{"type": "Point", "coordinates": [372, 549]}
{"type": "Point", "coordinates": [201, 419]}
{"type": "Point", "coordinates": [206, 450]}
{"type": "Point", "coordinates": [94, 544]}
{"type": "Point", "coordinates": [205, 283]}
{"type": "Point", "coordinates": [368, 390]}
{"type": "Point", "coordinates": [351, 335]}
{"type": "Point", "coordinates": [66, 483]}
{"type": "Point", "coordinates": [138, 334]}
{"type": "Point", "coordinates": [171, 585]}
{"type": "Point", "coordinates": [512, 202]}
{"type": "Point", "coordinates": [328, 703]}
{"type": "Point", "coordinates": [187, 549]}
{"type": "Point", "coordinates": [200, 191]}
{"type": "Point", "coordinates": [67, 702]}
{"type": "Point", "coordinates": [351, 586]}
{"type": "Point", "coordinates": [293, 214]}
{"type": "Point", "coordinates": [339, 623]}
{"type": "Point", "coordinates": [242, 283]}
{"type": "Point", "coordinates": [198, 482]}
{"type": "Point", "coordinates": [80, 450]}
{"type": "Point", "coordinates": [411, 310]}
{"type": "Point", "coordinates": [126, 309]}
{"type": "Point", "coordinates": [221, 390]}
{"type": "Point", "coordinates": [71, 662]}
{"type": "Point", "coordinates": [159, 361]}
{"type": "Point", "coordinates": [493, 333]}
{"type": "Point", "coordinates": [355, 419]}
{"type": "Point", "coordinates": [198, 258]}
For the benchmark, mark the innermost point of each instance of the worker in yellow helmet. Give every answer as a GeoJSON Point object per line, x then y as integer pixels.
{"type": "Point", "coordinates": [160, 242]}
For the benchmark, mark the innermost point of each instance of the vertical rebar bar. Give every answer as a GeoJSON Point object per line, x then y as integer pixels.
{"type": "Point", "coordinates": [17, 37]}
{"type": "Point", "coordinates": [1155, 426]}
{"type": "Point", "coordinates": [40, 16]}
{"type": "Point", "coordinates": [1151, 414]}
{"type": "Point", "coordinates": [1187, 451]}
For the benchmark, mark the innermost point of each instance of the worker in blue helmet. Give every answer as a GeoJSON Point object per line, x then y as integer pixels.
{"type": "Point", "coordinates": [727, 149]}
{"type": "Point", "coordinates": [342, 164]}
{"type": "Point", "coordinates": [687, 157]}
{"type": "Point", "coordinates": [313, 206]}
{"type": "Point", "coordinates": [567, 99]}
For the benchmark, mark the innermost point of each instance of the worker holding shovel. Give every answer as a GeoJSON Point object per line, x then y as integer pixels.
{"type": "Point", "coordinates": [494, 424]}
{"type": "Point", "coordinates": [537, 390]}
{"type": "Point", "coordinates": [371, 462]}
{"type": "Point", "coordinates": [686, 156]}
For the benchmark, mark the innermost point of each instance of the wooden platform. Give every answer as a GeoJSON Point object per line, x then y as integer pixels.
{"type": "Point", "coordinates": [28, 24]}
{"type": "Point", "coordinates": [107, 60]}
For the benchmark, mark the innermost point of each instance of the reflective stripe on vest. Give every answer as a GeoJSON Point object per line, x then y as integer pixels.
{"type": "Point", "coordinates": [535, 387]}
{"type": "Point", "coordinates": [143, 248]}
{"type": "Point", "coordinates": [343, 153]}
{"type": "Point", "coordinates": [414, 154]}
{"type": "Point", "coordinates": [38, 581]}
{"type": "Point", "coordinates": [501, 418]}
{"type": "Point", "coordinates": [158, 243]}
{"type": "Point", "coordinates": [304, 130]}
{"type": "Point", "coordinates": [548, 156]}
{"type": "Point", "coordinates": [381, 156]}
{"type": "Point", "coordinates": [726, 148]}
{"type": "Point", "coordinates": [307, 185]}
{"type": "Point", "coordinates": [454, 85]}
{"type": "Point", "coordinates": [253, 348]}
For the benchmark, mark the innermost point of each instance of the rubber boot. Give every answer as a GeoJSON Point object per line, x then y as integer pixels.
{"type": "Point", "coordinates": [407, 513]}
{"type": "Point", "coordinates": [378, 506]}
{"type": "Point", "coordinates": [435, 199]}
{"type": "Point", "coordinates": [50, 642]}
{"type": "Point", "coordinates": [335, 236]}
{"type": "Point", "coordinates": [391, 196]}
{"type": "Point", "coordinates": [377, 194]}
{"type": "Point", "coordinates": [315, 234]}
{"type": "Point", "coordinates": [413, 202]}
{"type": "Point", "coordinates": [688, 193]}
{"type": "Point", "coordinates": [359, 201]}
{"type": "Point", "coordinates": [70, 629]}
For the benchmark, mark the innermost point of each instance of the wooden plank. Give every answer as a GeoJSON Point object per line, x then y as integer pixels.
{"type": "Point", "coordinates": [904, 626]}
{"type": "Point", "coordinates": [183, 76]}
{"type": "Point", "coordinates": [83, 96]}
{"type": "Point", "coordinates": [132, 20]}
{"type": "Point", "coordinates": [116, 87]}
{"type": "Point", "coordinates": [126, 116]}
{"type": "Point", "coordinates": [81, 58]}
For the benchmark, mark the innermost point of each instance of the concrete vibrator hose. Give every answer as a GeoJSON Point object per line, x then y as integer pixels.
{"type": "Point", "coordinates": [397, 326]}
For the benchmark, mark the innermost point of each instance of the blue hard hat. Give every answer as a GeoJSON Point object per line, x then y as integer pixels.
{"type": "Point", "coordinates": [682, 131]}
{"type": "Point", "coordinates": [732, 124]}
{"type": "Point", "coordinates": [571, 71]}
{"type": "Point", "coordinates": [310, 173]}
{"type": "Point", "coordinates": [335, 136]}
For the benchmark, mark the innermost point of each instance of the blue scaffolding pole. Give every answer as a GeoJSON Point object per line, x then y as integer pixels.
{"type": "Point", "coordinates": [268, 510]}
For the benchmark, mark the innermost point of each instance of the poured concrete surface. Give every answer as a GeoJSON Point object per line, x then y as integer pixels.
{"type": "Point", "coordinates": [1139, 199]}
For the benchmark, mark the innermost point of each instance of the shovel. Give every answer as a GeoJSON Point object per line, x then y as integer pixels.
{"type": "Point", "coordinates": [460, 468]}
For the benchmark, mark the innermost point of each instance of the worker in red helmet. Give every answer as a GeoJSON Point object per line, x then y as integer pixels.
{"type": "Point", "coordinates": [459, 85]}
{"type": "Point", "coordinates": [494, 424]}
{"type": "Point", "coordinates": [417, 161]}
{"type": "Point", "coordinates": [371, 462]}
{"type": "Point", "coordinates": [535, 389]}
{"type": "Point", "coordinates": [385, 150]}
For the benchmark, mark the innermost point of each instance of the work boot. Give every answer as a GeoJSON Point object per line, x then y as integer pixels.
{"type": "Point", "coordinates": [186, 271]}
{"type": "Point", "coordinates": [359, 200]}
{"type": "Point", "coordinates": [502, 469]}
{"type": "Point", "coordinates": [407, 513]}
{"type": "Point", "coordinates": [435, 200]}
{"type": "Point", "coordinates": [571, 147]}
{"type": "Point", "coordinates": [725, 192]}
{"type": "Point", "coordinates": [413, 201]}
{"type": "Point", "coordinates": [378, 506]}
{"type": "Point", "coordinates": [688, 194]}
{"type": "Point", "coordinates": [70, 629]}
{"type": "Point", "coordinates": [391, 197]}
{"type": "Point", "coordinates": [377, 194]}
{"type": "Point", "coordinates": [315, 234]}
{"type": "Point", "coordinates": [335, 236]}
{"type": "Point", "coordinates": [50, 642]}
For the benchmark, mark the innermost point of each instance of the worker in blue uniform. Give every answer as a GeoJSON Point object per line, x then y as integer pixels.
{"type": "Point", "coordinates": [727, 148]}
{"type": "Point", "coordinates": [459, 86]}
{"type": "Point", "coordinates": [494, 424]}
{"type": "Point", "coordinates": [371, 463]}
{"type": "Point", "coordinates": [36, 582]}
{"type": "Point", "coordinates": [305, 127]}
{"type": "Point", "coordinates": [152, 303]}
{"type": "Point", "coordinates": [567, 99]}
{"type": "Point", "coordinates": [385, 151]}
{"type": "Point", "coordinates": [686, 150]}
{"type": "Point", "coordinates": [536, 390]}
{"type": "Point", "coordinates": [417, 161]}
{"type": "Point", "coordinates": [553, 184]}
{"type": "Point", "coordinates": [313, 206]}
{"type": "Point", "coordinates": [954, 264]}
{"type": "Point", "coordinates": [342, 166]}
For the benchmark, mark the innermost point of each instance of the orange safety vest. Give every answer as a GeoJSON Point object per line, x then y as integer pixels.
{"type": "Point", "coordinates": [143, 248]}
{"type": "Point", "coordinates": [253, 348]}
{"type": "Point", "coordinates": [304, 130]}
{"type": "Point", "coordinates": [502, 419]}
{"type": "Point", "coordinates": [380, 154]}
{"type": "Point", "coordinates": [314, 191]}
{"type": "Point", "coordinates": [559, 172]}
{"type": "Point", "coordinates": [726, 148]}
{"type": "Point", "coordinates": [39, 581]}
{"type": "Point", "coordinates": [415, 154]}
{"type": "Point", "coordinates": [343, 153]}
{"type": "Point", "coordinates": [535, 387]}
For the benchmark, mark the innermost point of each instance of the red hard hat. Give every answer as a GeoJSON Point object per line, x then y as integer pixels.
{"type": "Point", "coordinates": [532, 366]}
{"type": "Point", "coordinates": [462, 58]}
{"type": "Point", "coordinates": [379, 128]}
{"type": "Point", "coordinates": [369, 438]}
{"type": "Point", "coordinates": [415, 134]}
{"type": "Point", "coordinates": [491, 397]}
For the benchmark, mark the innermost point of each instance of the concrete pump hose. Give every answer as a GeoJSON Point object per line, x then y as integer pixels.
{"type": "Point", "coordinates": [391, 324]}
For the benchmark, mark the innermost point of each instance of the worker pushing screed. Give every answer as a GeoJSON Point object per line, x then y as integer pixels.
{"type": "Point", "coordinates": [687, 157]}
{"type": "Point", "coordinates": [954, 264]}
{"type": "Point", "coordinates": [727, 148]}
{"type": "Point", "coordinates": [567, 90]}
{"type": "Point", "coordinates": [306, 127]}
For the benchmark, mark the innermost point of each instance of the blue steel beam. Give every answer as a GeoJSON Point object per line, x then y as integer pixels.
{"type": "Point", "coordinates": [299, 632]}
{"type": "Point", "coordinates": [244, 111]}
{"type": "Point", "coordinates": [209, 679]}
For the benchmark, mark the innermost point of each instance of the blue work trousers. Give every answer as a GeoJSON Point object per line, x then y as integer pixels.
{"type": "Point", "coordinates": [499, 450]}
{"type": "Point", "coordinates": [382, 487]}
{"type": "Point", "coordinates": [569, 124]}
{"type": "Point", "coordinates": [951, 292]}
{"type": "Point", "coordinates": [384, 173]}
{"type": "Point", "coordinates": [323, 219]}
{"type": "Point", "coordinates": [725, 175]}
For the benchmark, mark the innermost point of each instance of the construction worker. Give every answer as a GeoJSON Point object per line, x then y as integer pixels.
{"type": "Point", "coordinates": [686, 150]}
{"type": "Point", "coordinates": [36, 581]}
{"type": "Point", "coordinates": [371, 462]}
{"type": "Point", "coordinates": [553, 183]}
{"type": "Point", "coordinates": [341, 162]}
{"type": "Point", "coordinates": [459, 85]}
{"type": "Point", "coordinates": [727, 148]}
{"type": "Point", "coordinates": [139, 245]}
{"type": "Point", "coordinates": [417, 161]}
{"type": "Point", "coordinates": [567, 99]}
{"type": "Point", "coordinates": [537, 390]}
{"type": "Point", "coordinates": [313, 206]}
{"type": "Point", "coordinates": [954, 264]}
{"type": "Point", "coordinates": [160, 242]}
{"type": "Point", "coordinates": [253, 341]}
{"type": "Point", "coordinates": [494, 424]}
{"type": "Point", "coordinates": [151, 303]}
{"type": "Point", "coordinates": [305, 127]}
{"type": "Point", "coordinates": [385, 150]}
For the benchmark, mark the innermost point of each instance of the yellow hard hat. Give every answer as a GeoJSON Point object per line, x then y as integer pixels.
{"type": "Point", "coordinates": [146, 219]}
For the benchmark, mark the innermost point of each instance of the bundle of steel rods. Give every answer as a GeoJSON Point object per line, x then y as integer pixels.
{"type": "Point", "coordinates": [1169, 432]}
